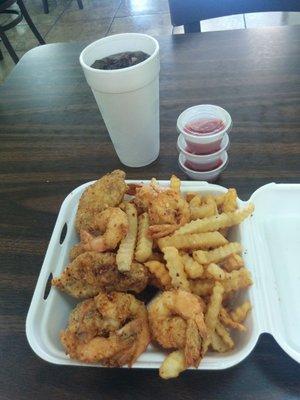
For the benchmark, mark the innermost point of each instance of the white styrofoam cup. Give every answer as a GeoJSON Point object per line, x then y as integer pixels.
{"type": "Point", "coordinates": [128, 98]}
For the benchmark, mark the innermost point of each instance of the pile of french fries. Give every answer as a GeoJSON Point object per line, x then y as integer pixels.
{"type": "Point", "coordinates": [199, 258]}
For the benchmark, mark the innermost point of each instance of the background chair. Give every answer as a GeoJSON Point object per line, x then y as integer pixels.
{"type": "Point", "coordinates": [46, 5]}
{"type": "Point", "coordinates": [4, 4]}
{"type": "Point", "coordinates": [189, 13]}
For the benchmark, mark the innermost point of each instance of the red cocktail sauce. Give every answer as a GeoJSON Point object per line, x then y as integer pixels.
{"type": "Point", "coordinates": [204, 126]}
{"type": "Point", "coordinates": [201, 149]}
{"type": "Point", "coordinates": [204, 167]}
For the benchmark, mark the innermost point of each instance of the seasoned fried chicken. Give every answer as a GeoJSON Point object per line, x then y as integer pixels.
{"type": "Point", "coordinates": [106, 192]}
{"type": "Point", "coordinates": [92, 272]}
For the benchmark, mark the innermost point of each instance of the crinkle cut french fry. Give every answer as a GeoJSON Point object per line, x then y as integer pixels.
{"type": "Point", "coordinates": [237, 280]}
{"type": "Point", "coordinates": [233, 262]}
{"type": "Point", "coordinates": [226, 319]}
{"type": "Point", "coordinates": [193, 241]}
{"type": "Point", "coordinates": [224, 334]}
{"type": "Point", "coordinates": [218, 254]}
{"type": "Point", "coordinates": [192, 268]}
{"type": "Point", "coordinates": [201, 287]}
{"type": "Point", "coordinates": [211, 201]}
{"type": "Point", "coordinates": [126, 249]}
{"type": "Point", "coordinates": [212, 313]}
{"type": "Point", "coordinates": [154, 184]}
{"type": "Point", "coordinates": [214, 271]}
{"type": "Point", "coordinates": [173, 365]}
{"type": "Point", "coordinates": [230, 196]}
{"type": "Point", "coordinates": [231, 281]}
{"type": "Point", "coordinates": [216, 222]}
{"type": "Point", "coordinates": [161, 273]}
{"type": "Point", "coordinates": [240, 313]}
{"type": "Point", "coordinates": [144, 242]}
{"type": "Point", "coordinates": [229, 201]}
{"type": "Point", "coordinates": [176, 268]}
{"type": "Point", "coordinates": [203, 211]}
{"type": "Point", "coordinates": [175, 183]}
{"type": "Point", "coordinates": [217, 343]}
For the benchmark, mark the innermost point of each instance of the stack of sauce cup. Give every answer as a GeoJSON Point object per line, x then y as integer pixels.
{"type": "Point", "coordinates": [203, 141]}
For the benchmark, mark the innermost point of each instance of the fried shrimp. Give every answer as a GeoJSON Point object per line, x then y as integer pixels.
{"type": "Point", "coordinates": [111, 329]}
{"type": "Point", "coordinates": [176, 321]}
{"type": "Point", "coordinates": [166, 208]}
{"type": "Point", "coordinates": [134, 234]}
{"type": "Point", "coordinates": [112, 223]}
{"type": "Point", "coordinates": [106, 192]}
{"type": "Point", "coordinates": [92, 272]}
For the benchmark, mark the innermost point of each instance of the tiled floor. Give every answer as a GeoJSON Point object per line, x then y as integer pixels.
{"type": "Point", "coordinates": [66, 22]}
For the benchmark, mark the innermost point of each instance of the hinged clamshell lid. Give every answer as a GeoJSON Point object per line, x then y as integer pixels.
{"type": "Point", "coordinates": [275, 250]}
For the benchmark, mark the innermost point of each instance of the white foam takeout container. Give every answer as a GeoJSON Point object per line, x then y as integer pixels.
{"type": "Point", "coordinates": [271, 243]}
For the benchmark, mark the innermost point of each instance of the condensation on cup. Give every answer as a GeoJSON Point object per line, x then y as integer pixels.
{"type": "Point", "coordinates": [128, 98]}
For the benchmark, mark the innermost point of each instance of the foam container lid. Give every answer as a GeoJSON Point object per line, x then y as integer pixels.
{"type": "Point", "coordinates": [271, 242]}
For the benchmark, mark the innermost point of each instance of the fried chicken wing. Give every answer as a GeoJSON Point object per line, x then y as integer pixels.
{"type": "Point", "coordinates": [92, 272]}
{"type": "Point", "coordinates": [106, 192]}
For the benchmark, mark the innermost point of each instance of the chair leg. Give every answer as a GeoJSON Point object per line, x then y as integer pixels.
{"type": "Point", "coordinates": [46, 6]}
{"type": "Point", "coordinates": [9, 47]}
{"type": "Point", "coordinates": [29, 22]}
{"type": "Point", "coordinates": [192, 27]}
{"type": "Point", "coordinates": [80, 4]}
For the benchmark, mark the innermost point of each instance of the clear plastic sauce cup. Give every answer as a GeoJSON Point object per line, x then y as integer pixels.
{"type": "Point", "coordinates": [208, 176]}
{"type": "Point", "coordinates": [203, 128]}
{"type": "Point", "coordinates": [202, 162]}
